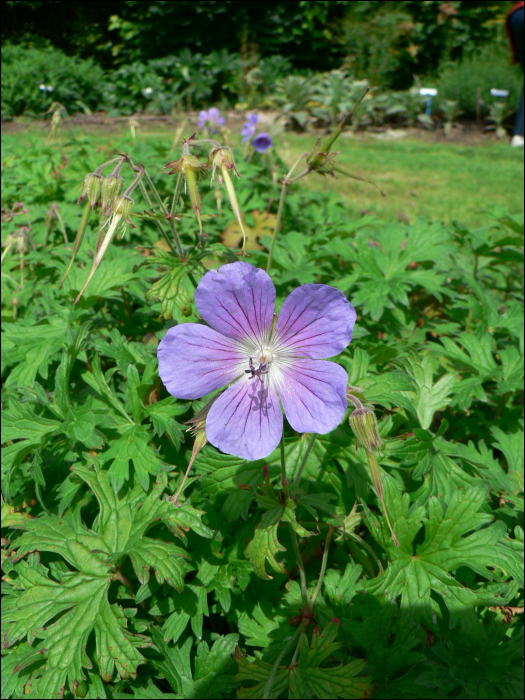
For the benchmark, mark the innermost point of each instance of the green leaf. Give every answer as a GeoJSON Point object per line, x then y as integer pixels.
{"type": "Point", "coordinates": [335, 682]}
{"type": "Point", "coordinates": [429, 397]}
{"type": "Point", "coordinates": [263, 548]}
{"type": "Point", "coordinates": [132, 446]}
{"type": "Point", "coordinates": [413, 574]}
{"type": "Point", "coordinates": [115, 646]}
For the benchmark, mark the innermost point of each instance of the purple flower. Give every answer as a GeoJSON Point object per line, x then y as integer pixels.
{"type": "Point", "coordinates": [263, 369]}
{"type": "Point", "coordinates": [250, 127]}
{"type": "Point", "coordinates": [209, 119]}
{"type": "Point", "coordinates": [262, 142]}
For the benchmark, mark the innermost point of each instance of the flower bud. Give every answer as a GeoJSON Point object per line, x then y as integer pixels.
{"type": "Point", "coordinates": [364, 425]}
{"type": "Point", "coordinates": [122, 207]}
{"type": "Point", "coordinates": [191, 167]}
{"type": "Point", "coordinates": [222, 158]}
{"type": "Point", "coordinates": [91, 188]}
{"type": "Point", "coordinates": [110, 189]}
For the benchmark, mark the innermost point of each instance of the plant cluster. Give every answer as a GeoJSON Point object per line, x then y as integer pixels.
{"type": "Point", "coordinates": [376, 558]}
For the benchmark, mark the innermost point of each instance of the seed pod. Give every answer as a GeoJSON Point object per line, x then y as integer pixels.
{"type": "Point", "coordinates": [91, 188]}
{"type": "Point", "coordinates": [110, 189]}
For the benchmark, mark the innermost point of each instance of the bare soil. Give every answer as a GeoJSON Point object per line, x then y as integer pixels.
{"type": "Point", "coordinates": [464, 132]}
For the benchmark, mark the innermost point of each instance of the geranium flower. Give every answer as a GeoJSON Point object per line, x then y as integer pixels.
{"type": "Point", "coordinates": [262, 142]}
{"type": "Point", "coordinates": [264, 368]}
{"type": "Point", "coordinates": [250, 127]}
{"type": "Point", "coordinates": [209, 119]}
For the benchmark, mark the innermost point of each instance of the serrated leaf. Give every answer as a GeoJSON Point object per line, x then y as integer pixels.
{"type": "Point", "coordinates": [263, 548]}
{"type": "Point", "coordinates": [114, 645]}
{"type": "Point", "coordinates": [336, 682]}
{"type": "Point", "coordinates": [429, 397]}
{"type": "Point", "coordinates": [414, 574]}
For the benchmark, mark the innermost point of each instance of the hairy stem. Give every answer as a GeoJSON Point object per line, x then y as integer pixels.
{"type": "Point", "coordinates": [159, 225]}
{"type": "Point", "coordinates": [281, 207]}
{"type": "Point", "coordinates": [173, 230]}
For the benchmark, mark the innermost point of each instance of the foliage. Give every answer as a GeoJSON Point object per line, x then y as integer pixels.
{"type": "Point", "coordinates": [77, 84]}
{"type": "Point", "coordinates": [384, 42]}
{"type": "Point", "coordinates": [481, 71]}
{"type": "Point", "coordinates": [94, 448]}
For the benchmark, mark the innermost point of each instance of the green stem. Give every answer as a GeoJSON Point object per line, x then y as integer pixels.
{"type": "Point", "coordinates": [159, 225]}
{"type": "Point", "coordinates": [275, 667]}
{"type": "Point", "coordinates": [166, 214]}
{"type": "Point", "coordinates": [284, 480]}
{"type": "Point", "coordinates": [300, 566]}
{"type": "Point", "coordinates": [305, 457]}
{"type": "Point", "coordinates": [323, 566]}
{"type": "Point", "coordinates": [281, 207]}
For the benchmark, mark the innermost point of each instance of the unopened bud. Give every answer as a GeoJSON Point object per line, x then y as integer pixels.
{"type": "Point", "coordinates": [110, 190]}
{"type": "Point", "coordinates": [222, 158]}
{"type": "Point", "coordinates": [91, 188]}
{"type": "Point", "coordinates": [122, 207]}
{"type": "Point", "coordinates": [191, 167]}
{"type": "Point", "coordinates": [364, 425]}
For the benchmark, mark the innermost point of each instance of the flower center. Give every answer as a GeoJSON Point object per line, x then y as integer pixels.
{"type": "Point", "coordinates": [266, 357]}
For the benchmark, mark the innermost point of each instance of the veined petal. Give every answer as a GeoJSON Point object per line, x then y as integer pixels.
{"type": "Point", "coordinates": [246, 420]}
{"type": "Point", "coordinates": [315, 321]}
{"type": "Point", "coordinates": [195, 359]}
{"type": "Point", "coordinates": [238, 300]}
{"type": "Point", "coordinates": [313, 393]}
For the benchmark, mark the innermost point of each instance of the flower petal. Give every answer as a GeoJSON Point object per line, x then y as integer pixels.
{"type": "Point", "coordinates": [315, 321]}
{"type": "Point", "coordinates": [313, 394]}
{"type": "Point", "coordinates": [195, 359]}
{"type": "Point", "coordinates": [262, 142]}
{"type": "Point", "coordinates": [238, 300]}
{"type": "Point", "coordinates": [246, 420]}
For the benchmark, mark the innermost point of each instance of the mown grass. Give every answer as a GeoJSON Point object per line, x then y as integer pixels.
{"type": "Point", "coordinates": [420, 177]}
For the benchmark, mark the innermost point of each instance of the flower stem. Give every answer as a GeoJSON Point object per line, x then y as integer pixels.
{"type": "Point", "coordinates": [323, 566]}
{"type": "Point", "coordinates": [166, 214]}
{"type": "Point", "coordinates": [376, 477]}
{"type": "Point", "coordinates": [284, 480]}
{"type": "Point", "coordinates": [281, 207]}
{"type": "Point", "coordinates": [300, 566]}
{"type": "Point", "coordinates": [159, 225]}
{"type": "Point", "coordinates": [305, 457]}
{"type": "Point", "coordinates": [275, 667]}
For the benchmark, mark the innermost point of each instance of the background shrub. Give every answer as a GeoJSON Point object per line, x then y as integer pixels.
{"type": "Point", "coordinates": [76, 83]}
{"type": "Point", "coordinates": [489, 68]}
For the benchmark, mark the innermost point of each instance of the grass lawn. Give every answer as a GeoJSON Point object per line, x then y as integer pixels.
{"type": "Point", "coordinates": [420, 176]}
{"type": "Point", "coordinates": [436, 180]}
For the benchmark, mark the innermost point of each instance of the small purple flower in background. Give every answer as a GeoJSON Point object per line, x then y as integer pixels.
{"type": "Point", "coordinates": [210, 119]}
{"type": "Point", "coordinates": [262, 142]}
{"type": "Point", "coordinates": [264, 368]}
{"type": "Point", "coordinates": [250, 127]}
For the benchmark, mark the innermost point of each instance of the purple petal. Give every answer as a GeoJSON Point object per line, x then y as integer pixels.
{"type": "Point", "coordinates": [313, 394]}
{"type": "Point", "coordinates": [315, 321]}
{"type": "Point", "coordinates": [238, 300]}
{"type": "Point", "coordinates": [214, 114]}
{"type": "Point", "coordinates": [195, 359]}
{"type": "Point", "coordinates": [262, 142]}
{"type": "Point", "coordinates": [246, 420]}
{"type": "Point", "coordinates": [202, 119]}
{"type": "Point", "coordinates": [253, 119]}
